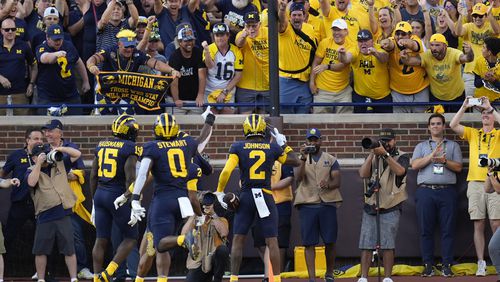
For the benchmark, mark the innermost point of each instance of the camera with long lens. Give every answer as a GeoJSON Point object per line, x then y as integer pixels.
{"type": "Point", "coordinates": [52, 155]}
{"type": "Point", "coordinates": [372, 143]}
{"type": "Point", "coordinates": [493, 163]}
{"type": "Point", "coordinates": [310, 149]}
{"type": "Point", "coordinates": [373, 186]}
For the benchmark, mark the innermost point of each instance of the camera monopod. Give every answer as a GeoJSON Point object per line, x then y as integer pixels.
{"type": "Point", "coordinates": [375, 188]}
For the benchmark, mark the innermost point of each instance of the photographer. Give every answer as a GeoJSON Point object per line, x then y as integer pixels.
{"type": "Point", "coordinates": [438, 161]}
{"type": "Point", "coordinates": [53, 199]}
{"type": "Point", "coordinates": [386, 167]}
{"type": "Point", "coordinates": [317, 198]}
{"type": "Point", "coordinates": [483, 143]}
{"type": "Point", "coordinates": [493, 185]}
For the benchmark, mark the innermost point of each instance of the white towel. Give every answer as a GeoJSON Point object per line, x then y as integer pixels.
{"type": "Point", "coordinates": [260, 202]}
{"type": "Point", "coordinates": [185, 206]}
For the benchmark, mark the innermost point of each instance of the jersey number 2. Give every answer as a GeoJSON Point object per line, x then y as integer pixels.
{"type": "Point", "coordinates": [63, 63]}
{"type": "Point", "coordinates": [107, 157]}
{"type": "Point", "coordinates": [261, 158]}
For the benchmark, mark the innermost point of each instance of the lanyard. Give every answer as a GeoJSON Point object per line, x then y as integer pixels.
{"type": "Point", "coordinates": [484, 135]}
{"type": "Point", "coordinates": [442, 145]}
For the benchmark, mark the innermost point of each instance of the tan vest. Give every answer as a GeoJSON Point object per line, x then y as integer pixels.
{"type": "Point", "coordinates": [390, 194]}
{"type": "Point", "coordinates": [308, 191]}
{"type": "Point", "coordinates": [53, 190]}
{"type": "Point", "coordinates": [209, 239]}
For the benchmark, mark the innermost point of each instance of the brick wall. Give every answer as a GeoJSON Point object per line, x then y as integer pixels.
{"type": "Point", "coordinates": [341, 133]}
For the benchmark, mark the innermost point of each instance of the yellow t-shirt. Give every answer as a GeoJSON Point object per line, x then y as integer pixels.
{"type": "Point", "coordinates": [361, 7]}
{"type": "Point", "coordinates": [446, 75]}
{"type": "Point", "coordinates": [333, 81]}
{"type": "Point", "coordinates": [479, 144]}
{"type": "Point", "coordinates": [281, 195]}
{"type": "Point", "coordinates": [351, 17]}
{"type": "Point", "coordinates": [319, 26]}
{"type": "Point", "coordinates": [496, 13]}
{"type": "Point", "coordinates": [476, 36]}
{"type": "Point", "coordinates": [255, 74]}
{"type": "Point", "coordinates": [406, 79]}
{"type": "Point", "coordinates": [371, 77]}
{"type": "Point", "coordinates": [480, 69]}
{"type": "Point", "coordinates": [296, 63]}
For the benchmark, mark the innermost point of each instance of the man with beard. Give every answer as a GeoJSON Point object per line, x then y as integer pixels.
{"type": "Point", "coordinates": [443, 65]}
{"type": "Point", "coordinates": [329, 80]}
{"type": "Point", "coordinates": [483, 143]}
{"type": "Point", "coordinates": [483, 25]}
{"type": "Point", "coordinates": [317, 199]}
{"type": "Point", "coordinates": [298, 42]}
{"type": "Point", "coordinates": [171, 15]}
{"type": "Point", "coordinates": [408, 84]}
{"type": "Point", "coordinates": [190, 87]}
{"type": "Point", "coordinates": [343, 11]}
{"type": "Point", "coordinates": [387, 165]}
{"type": "Point", "coordinates": [371, 76]}
{"type": "Point", "coordinates": [124, 57]}
{"type": "Point", "coordinates": [58, 59]}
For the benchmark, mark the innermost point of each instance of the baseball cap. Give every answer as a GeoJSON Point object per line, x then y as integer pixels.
{"type": "Point", "coordinates": [220, 28]}
{"type": "Point", "coordinates": [142, 20]}
{"type": "Point", "coordinates": [51, 12]}
{"type": "Point", "coordinates": [154, 36]}
{"type": "Point", "coordinates": [364, 34]}
{"type": "Point", "coordinates": [186, 34]}
{"type": "Point", "coordinates": [479, 9]}
{"type": "Point", "coordinates": [313, 132]}
{"type": "Point", "coordinates": [339, 23]}
{"type": "Point", "coordinates": [438, 37]}
{"type": "Point", "coordinates": [404, 27]}
{"type": "Point", "coordinates": [297, 7]}
{"type": "Point", "coordinates": [55, 32]}
{"type": "Point", "coordinates": [387, 134]}
{"type": "Point", "coordinates": [208, 199]}
{"type": "Point", "coordinates": [127, 37]}
{"type": "Point", "coordinates": [52, 124]}
{"type": "Point", "coordinates": [181, 26]}
{"type": "Point", "coordinates": [251, 17]}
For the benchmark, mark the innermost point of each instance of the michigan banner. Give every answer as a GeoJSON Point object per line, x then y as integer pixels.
{"type": "Point", "coordinates": [145, 89]}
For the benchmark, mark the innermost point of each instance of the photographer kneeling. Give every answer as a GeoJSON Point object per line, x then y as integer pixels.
{"type": "Point", "coordinates": [54, 200]}
{"type": "Point", "coordinates": [493, 185]}
{"type": "Point", "coordinates": [385, 169]}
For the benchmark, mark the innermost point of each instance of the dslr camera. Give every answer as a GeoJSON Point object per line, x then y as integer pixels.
{"type": "Point", "coordinates": [493, 163]}
{"type": "Point", "coordinates": [372, 143]}
{"type": "Point", "coordinates": [52, 155]}
{"type": "Point", "coordinates": [310, 149]}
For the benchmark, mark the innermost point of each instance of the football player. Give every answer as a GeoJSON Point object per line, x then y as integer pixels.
{"type": "Point", "coordinates": [255, 157]}
{"type": "Point", "coordinates": [113, 170]}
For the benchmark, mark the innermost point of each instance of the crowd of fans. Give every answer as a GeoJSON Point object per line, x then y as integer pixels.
{"type": "Point", "coordinates": [373, 51]}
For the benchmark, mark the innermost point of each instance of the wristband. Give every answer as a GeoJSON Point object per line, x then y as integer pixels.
{"type": "Point", "coordinates": [136, 197]}
{"type": "Point", "coordinates": [328, 67]}
{"type": "Point", "coordinates": [287, 149]}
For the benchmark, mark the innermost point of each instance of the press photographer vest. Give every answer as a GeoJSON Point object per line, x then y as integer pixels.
{"type": "Point", "coordinates": [53, 190]}
{"type": "Point", "coordinates": [390, 194]}
{"type": "Point", "coordinates": [308, 191]}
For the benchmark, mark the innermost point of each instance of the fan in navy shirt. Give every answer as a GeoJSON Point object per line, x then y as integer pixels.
{"type": "Point", "coordinates": [58, 60]}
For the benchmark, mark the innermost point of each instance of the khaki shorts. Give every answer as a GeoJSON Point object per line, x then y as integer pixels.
{"type": "Point", "coordinates": [2, 245]}
{"type": "Point", "coordinates": [481, 204]}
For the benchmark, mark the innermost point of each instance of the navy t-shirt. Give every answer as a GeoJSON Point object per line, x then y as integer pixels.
{"type": "Point", "coordinates": [131, 64]}
{"type": "Point", "coordinates": [90, 30]}
{"type": "Point", "coordinates": [232, 14]}
{"type": "Point", "coordinates": [13, 66]}
{"type": "Point", "coordinates": [188, 67]}
{"type": "Point", "coordinates": [167, 25]}
{"type": "Point", "coordinates": [18, 163]}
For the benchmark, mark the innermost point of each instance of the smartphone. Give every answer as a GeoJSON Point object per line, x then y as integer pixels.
{"type": "Point", "coordinates": [475, 101]}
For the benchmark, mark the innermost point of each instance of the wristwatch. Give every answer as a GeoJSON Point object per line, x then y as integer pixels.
{"type": "Point", "coordinates": [386, 155]}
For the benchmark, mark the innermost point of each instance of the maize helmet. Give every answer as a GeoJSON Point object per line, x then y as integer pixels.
{"type": "Point", "coordinates": [254, 125]}
{"type": "Point", "coordinates": [165, 127]}
{"type": "Point", "coordinates": [125, 127]}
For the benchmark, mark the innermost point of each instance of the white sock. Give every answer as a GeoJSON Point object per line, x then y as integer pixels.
{"type": "Point", "coordinates": [74, 279]}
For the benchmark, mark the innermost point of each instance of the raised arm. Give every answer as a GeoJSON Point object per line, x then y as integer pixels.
{"type": "Point", "coordinates": [410, 60]}
{"type": "Point", "coordinates": [468, 55]}
{"type": "Point", "coordinates": [283, 19]}
{"type": "Point", "coordinates": [134, 14]}
{"type": "Point", "coordinates": [455, 121]}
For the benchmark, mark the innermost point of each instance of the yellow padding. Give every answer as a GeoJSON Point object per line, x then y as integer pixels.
{"type": "Point", "coordinates": [300, 259]}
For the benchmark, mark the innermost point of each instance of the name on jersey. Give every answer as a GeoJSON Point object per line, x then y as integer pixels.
{"type": "Point", "coordinates": [133, 80]}
{"type": "Point", "coordinates": [170, 144]}
{"type": "Point", "coordinates": [114, 144]}
{"type": "Point", "coordinates": [257, 146]}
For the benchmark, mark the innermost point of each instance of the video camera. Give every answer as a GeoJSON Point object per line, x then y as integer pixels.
{"type": "Point", "coordinates": [372, 143]}
{"type": "Point", "coordinates": [493, 163]}
{"type": "Point", "coordinates": [52, 155]}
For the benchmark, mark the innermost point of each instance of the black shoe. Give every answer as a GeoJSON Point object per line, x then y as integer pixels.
{"type": "Point", "coordinates": [329, 279]}
{"type": "Point", "coordinates": [446, 270]}
{"type": "Point", "coordinates": [428, 270]}
{"type": "Point", "coordinates": [265, 280]}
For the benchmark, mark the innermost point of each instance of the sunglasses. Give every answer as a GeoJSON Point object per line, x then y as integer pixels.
{"type": "Point", "coordinates": [401, 33]}
{"type": "Point", "coordinates": [478, 16]}
{"type": "Point", "coordinates": [9, 29]}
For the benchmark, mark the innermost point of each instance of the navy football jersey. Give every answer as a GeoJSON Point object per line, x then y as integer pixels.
{"type": "Point", "coordinates": [171, 161]}
{"type": "Point", "coordinates": [111, 157]}
{"type": "Point", "coordinates": [256, 159]}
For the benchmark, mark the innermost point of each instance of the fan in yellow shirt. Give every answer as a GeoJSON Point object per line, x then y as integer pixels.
{"type": "Point", "coordinates": [487, 70]}
{"type": "Point", "coordinates": [341, 10]}
{"type": "Point", "coordinates": [443, 65]}
{"type": "Point", "coordinates": [329, 81]}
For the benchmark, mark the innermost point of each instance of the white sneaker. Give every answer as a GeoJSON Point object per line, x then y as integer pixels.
{"type": "Point", "coordinates": [481, 268]}
{"type": "Point", "coordinates": [387, 279]}
{"type": "Point", "coordinates": [362, 279]}
{"type": "Point", "coordinates": [85, 274]}
{"type": "Point", "coordinates": [35, 276]}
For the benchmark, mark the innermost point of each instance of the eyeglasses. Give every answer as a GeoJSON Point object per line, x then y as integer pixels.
{"type": "Point", "coordinates": [9, 29]}
{"type": "Point", "coordinates": [129, 47]}
{"type": "Point", "coordinates": [478, 16]}
{"type": "Point", "coordinates": [401, 33]}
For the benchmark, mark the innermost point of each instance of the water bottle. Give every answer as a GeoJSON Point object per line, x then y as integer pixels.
{"type": "Point", "coordinates": [10, 111]}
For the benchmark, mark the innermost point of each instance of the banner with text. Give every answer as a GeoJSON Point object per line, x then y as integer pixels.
{"type": "Point", "coordinates": [144, 89]}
